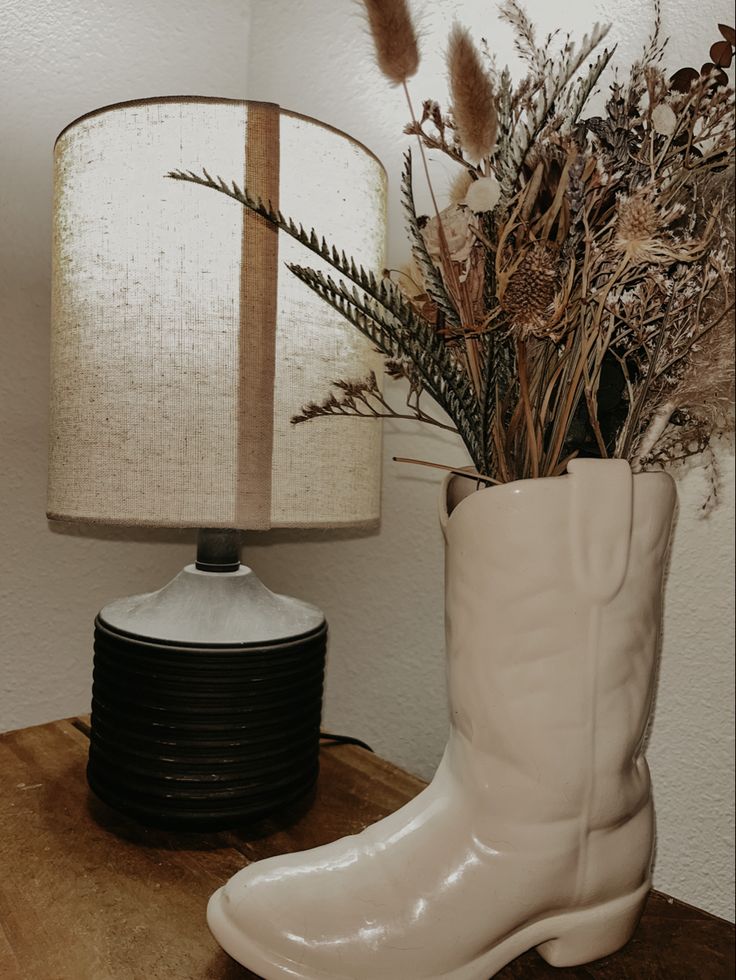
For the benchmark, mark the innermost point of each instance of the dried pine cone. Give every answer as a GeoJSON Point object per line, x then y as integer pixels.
{"type": "Point", "coordinates": [529, 295]}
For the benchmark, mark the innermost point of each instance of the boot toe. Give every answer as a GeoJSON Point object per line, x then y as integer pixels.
{"type": "Point", "coordinates": [277, 914]}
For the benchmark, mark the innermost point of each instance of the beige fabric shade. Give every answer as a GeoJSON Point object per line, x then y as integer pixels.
{"type": "Point", "coordinates": [181, 343]}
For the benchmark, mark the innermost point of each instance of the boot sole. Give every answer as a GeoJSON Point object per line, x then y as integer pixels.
{"type": "Point", "coordinates": [567, 939]}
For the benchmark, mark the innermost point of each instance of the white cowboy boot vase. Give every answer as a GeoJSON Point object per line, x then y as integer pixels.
{"type": "Point", "coordinates": [537, 829]}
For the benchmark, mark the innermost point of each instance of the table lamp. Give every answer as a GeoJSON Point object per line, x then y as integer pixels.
{"type": "Point", "coordinates": [182, 346]}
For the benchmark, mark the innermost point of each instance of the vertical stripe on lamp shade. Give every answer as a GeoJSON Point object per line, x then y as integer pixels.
{"type": "Point", "coordinates": [181, 343]}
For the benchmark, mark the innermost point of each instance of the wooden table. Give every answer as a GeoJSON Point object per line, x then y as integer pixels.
{"type": "Point", "coordinates": [85, 894]}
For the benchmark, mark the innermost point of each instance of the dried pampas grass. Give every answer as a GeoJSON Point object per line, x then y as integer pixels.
{"type": "Point", "coordinates": [473, 102]}
{"type": "Point", "coordinates": [706, 388]}
{"type": "Point", "coordinates": [460, 186]}
{"type": "Point", "coordinates": [394, 37]}
{"type": "Point", "coordinates": [705, 392]}
{"type": "Point", "coordinates": [708, 384]}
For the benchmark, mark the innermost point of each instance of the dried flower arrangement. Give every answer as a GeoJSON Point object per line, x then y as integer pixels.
{"type": "Point", "coordinates": [576, 295]}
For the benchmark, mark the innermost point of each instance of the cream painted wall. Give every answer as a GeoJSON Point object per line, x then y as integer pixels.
{"type": "Point", "coordinates": [59, 59]}
{"type": "Point", "coordinates": [382, 591]}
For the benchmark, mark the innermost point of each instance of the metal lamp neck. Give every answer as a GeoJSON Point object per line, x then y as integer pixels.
{"type": "Point", "coordinates": [218, 550]}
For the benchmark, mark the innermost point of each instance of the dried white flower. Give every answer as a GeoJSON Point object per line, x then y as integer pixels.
{"type": "Point", "coordinates": [457, 227]}
{"type": "Point", "coordinates": [483, 194]}
{"type": "Point", "coordinates": [664, 119]}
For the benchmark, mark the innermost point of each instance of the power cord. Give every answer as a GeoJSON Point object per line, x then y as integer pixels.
{"type": "Point", "coordinates": [344, 740]}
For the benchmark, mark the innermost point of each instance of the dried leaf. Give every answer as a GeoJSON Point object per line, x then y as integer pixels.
{"type": "Point", "coordinates": [721, 54]}
{"type": "Point", "coordinates": [664, 119]}
{"type": "Point", "coordinates": [729, 33]}
{"type": "Point", "coordinates": [683, 79]}
{"type": "Point", "coordinates": [719, 77]}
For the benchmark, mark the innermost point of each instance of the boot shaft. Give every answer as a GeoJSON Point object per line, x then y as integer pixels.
{"type": "Point", "coordinates": [553, 607]}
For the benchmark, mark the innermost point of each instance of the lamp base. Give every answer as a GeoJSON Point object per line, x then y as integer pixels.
{"type": "Point", "coordinates": [195, 735]}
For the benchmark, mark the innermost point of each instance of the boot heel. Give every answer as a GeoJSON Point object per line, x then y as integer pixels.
{"type": "Point", "coordinates": [592, 933]}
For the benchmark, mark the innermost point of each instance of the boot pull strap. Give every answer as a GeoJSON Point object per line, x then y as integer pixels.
{"type": "Point", "coordinates": [600, 524]}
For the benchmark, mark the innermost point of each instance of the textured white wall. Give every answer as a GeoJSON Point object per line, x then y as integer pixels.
{"type": "Point", "coordinates": [382, 591]}
{"type": "Point", "coordinates": [59, 59]}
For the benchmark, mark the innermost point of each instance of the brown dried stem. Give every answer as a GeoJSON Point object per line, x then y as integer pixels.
{"type": "Point", "coordinates": [470, 474]}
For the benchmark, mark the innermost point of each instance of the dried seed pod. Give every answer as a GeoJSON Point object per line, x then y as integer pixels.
{"type": "Point", "coordinates": [473, 100]}
{"type": "Point", "coordinates": [637, 227]}
{"type": "Point", "coordinates": [394, 37]}
{"type": "Point", "coordinates": [530, 292]}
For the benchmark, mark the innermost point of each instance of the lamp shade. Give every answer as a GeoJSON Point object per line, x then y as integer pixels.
{"type": "Point", "coordinates": [182, 345]}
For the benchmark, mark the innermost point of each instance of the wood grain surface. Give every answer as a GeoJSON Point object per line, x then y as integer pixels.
{"type": "Point", "coordinates": [86, 894]}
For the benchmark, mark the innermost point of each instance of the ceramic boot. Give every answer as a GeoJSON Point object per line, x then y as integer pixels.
{"type": "Point", "coordinates": [537, 829]}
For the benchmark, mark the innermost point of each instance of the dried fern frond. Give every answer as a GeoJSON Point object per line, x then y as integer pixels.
{"type": "Point", "coordinates": [384, 292]}
{"type": "Point", "coordinates": [409, 339]}
{"type": "Point", "coordinates": [381, 313]}
{"type": "Point", "coordinates": [431, 275]}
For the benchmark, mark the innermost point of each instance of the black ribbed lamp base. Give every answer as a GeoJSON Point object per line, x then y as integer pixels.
{"type": "Point", "coordinates": [204, 737]}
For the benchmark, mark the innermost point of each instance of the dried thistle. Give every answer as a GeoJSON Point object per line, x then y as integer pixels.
{"type": "Point", "coordinates": [642, 234]}
{"type": "Point", "coordinates": [473, 101]}
{"type": "Point", "coordinates": [637, 228]}
{"type": "Point", "coordinates": [394, 38]}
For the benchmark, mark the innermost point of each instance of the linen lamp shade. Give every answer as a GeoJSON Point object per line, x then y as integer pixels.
{"type": "Point", "coordinates": [181, 343]}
